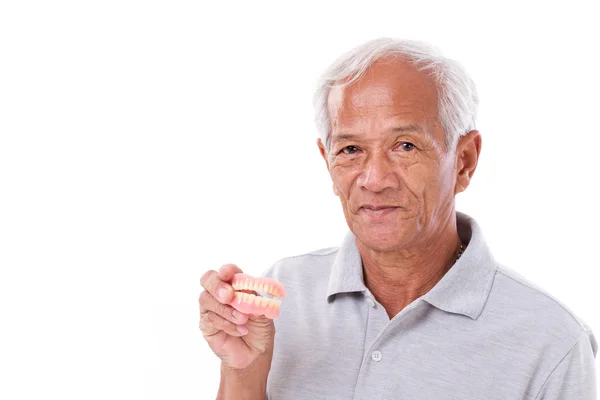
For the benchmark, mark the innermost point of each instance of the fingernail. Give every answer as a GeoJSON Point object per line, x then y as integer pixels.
{"type": "Point", "coordinates": [222, 292]}
{"type": "Point", "coordinates": [242, 329]}
{"type": "Point", "coordinates": [236, 314]}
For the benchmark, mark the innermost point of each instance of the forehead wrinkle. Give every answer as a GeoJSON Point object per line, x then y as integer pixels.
{"type": "Point", "coordinates": [381, 94]}
{"type": "Point", "coordinates": [397, 128]}
{"type": "Point", "coordinates": [373, 96]}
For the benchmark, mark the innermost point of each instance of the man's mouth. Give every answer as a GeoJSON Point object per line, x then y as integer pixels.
{"type": "Point", "coordinates": [377, 211]}
{"type": "Point", "coordinates": [376, 208]}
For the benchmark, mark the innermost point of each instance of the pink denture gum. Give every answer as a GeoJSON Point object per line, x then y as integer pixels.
{"type": "Point", "coordinates": [247, 302]}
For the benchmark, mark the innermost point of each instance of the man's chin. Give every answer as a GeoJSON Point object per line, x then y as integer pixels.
{"type": "Point", "coordinates": [381, 239]}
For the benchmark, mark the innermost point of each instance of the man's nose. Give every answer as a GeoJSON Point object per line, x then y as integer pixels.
{"type": "Point", "coordinates": [378, 173]}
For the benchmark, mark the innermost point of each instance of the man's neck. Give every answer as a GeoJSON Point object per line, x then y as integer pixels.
{"type": "Point", "coordinates": [397, 278]}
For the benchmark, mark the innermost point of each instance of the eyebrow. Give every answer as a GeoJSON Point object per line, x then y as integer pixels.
{"type": "Point", "coordinates": [408, 128]}
{"type": "Point", "coordinates": [397, 129]}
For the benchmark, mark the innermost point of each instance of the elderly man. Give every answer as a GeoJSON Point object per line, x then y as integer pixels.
{"type": "Point", "coordinates": [412, 305]}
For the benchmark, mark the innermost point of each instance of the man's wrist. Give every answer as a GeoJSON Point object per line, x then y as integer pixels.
{"type": "Point", "coordinates": [248, 383]}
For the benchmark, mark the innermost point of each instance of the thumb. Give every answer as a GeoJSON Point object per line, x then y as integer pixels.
{"type": "Point", "coordinates": [227, 271]}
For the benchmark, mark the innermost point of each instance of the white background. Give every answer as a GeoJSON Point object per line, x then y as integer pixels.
{"type": "Point", "coordinates": [144, 142]}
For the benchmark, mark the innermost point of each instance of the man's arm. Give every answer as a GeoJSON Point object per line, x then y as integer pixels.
{"type": "Point", "coordinates": [246, 384]}
{"type": "Point", "coordinates": [574, 378]}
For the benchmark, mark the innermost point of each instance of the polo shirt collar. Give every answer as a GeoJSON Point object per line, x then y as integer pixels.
{"type": "Point", "coordinates": [346, 272]}
{"type": "Point", "coordinates": [464, 289]}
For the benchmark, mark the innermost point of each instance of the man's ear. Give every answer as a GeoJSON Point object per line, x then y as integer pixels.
{"type": "Point", "coordinates": [467, 156]}
{"type": "Point", "coordinates": [335, 191]}
{"type": "Point", "coordinates": [323, 152]}
{"type": "Point", "coordinates": [324, 155]}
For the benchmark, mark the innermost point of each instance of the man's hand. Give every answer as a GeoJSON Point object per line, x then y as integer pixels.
{"type": "Point", "coordinates": [237, 339]}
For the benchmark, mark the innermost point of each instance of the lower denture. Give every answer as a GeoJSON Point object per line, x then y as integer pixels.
{"type": "Point", "coordinates": [248, 301]}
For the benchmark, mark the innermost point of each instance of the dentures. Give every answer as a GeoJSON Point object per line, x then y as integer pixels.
{"type": "Point", "coordinates": [248, 300]}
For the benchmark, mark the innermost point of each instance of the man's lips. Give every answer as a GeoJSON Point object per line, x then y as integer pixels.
{"type": "Point", "coordinates": [373, 211]}
{"type": "Point", "coordinates": [376, 208]}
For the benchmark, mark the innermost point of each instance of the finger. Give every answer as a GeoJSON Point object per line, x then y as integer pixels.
{"type": "Point", "coordinates": [209, 303]}
{"type": "Point", "coordinates": [220, 290]}
{"type": "Point", "coordinates": [211, 324]}
{"type": "Point", "coordinates": [227, 271]}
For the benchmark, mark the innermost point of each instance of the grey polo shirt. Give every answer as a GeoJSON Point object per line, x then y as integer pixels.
{"type": "Point", "coordinates": [482, 332]}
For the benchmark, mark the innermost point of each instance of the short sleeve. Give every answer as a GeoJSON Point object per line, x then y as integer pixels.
{"type": "Point", "coordinates": [574, 378]}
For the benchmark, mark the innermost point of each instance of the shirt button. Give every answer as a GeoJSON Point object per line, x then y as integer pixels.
{"type": "Point", "coordinates": [370, 302]}
{"type": "Point", "coordinates": [376, 356]}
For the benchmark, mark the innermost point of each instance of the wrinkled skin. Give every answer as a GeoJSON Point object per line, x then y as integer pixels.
{"type": "Point", "coordinates": [387, 149]}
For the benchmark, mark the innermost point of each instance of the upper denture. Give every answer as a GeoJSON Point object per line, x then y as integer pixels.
{"type": "Point", "coordinates": [266, 285]}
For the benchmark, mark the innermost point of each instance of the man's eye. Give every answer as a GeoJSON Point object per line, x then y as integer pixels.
{"type": "Point", "coordinates": [349, 150]}
{"type": "Point", "coordinates": [406, 146]}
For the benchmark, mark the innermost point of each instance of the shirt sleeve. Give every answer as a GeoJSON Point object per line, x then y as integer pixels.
{"type": "Point", "coordinates": [574, 378]}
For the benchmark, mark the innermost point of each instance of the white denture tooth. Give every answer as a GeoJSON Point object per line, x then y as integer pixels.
{"type": "Point", "coordinates": [277, 303]}
{"type": "Point", "coordinates": [269, 289]}
{"type": "Point", "coordinates": [246, 298]}
{"type": "Point", "coordinates": [238, 297]}
{"type": "Point", "coordinates": [261, 287]}
{"type": "Point", "coordinates": [247, 284]}
{"type": "Point", "coordinates": [264, 302]}
{"type": "Point", "coordinates": [257, 300]}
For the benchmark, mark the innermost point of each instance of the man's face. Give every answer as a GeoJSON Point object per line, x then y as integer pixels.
{"type": "Point", "coordinates": [388, 159]}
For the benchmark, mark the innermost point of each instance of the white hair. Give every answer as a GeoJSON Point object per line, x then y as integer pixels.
{"type": "Point", "coordinates": [457, 95]}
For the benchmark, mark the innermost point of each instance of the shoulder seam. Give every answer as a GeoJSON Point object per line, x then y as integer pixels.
{"type": "Point", "coordinates": [499, 271]}
{"type": "Point", "coordinates": [275, 266]}
{"type": "Point", "coordinates": [331, 251]}
{"type": "Point", "coordinates": [583, 336]}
